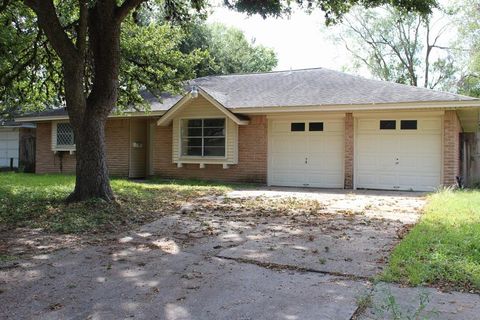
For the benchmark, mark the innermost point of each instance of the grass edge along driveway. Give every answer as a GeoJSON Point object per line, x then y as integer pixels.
{"type": "Point", "coordinates": [443, 249]}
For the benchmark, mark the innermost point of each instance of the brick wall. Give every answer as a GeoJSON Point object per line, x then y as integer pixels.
{"type": "Point", "coordinates": [117, 135]}
{"type": "Point", "coordinates": [252, 156]}
{"type": "Point", "coordinates": [451, 147]}
{"type": "Point", "coordinates": [349, 141]}
{"type": "Point", "coordinates": [46, 160]}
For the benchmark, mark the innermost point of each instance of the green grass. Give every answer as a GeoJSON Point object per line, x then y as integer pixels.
{"type": "Point", "coordinates": [443, 249]}
{"type": "Point", "coordinates": [37, 201]}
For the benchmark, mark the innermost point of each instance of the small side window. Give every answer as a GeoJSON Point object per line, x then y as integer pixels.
{"type": "Point", "coordinates": [388, 124]}
{"type": "Point", "coordinates": [408, 124]}
{"type": "Point", "coordinates": [65, 135]}
{"type": "Point", "coordinates": [297, 126]}
{"type": "Point", "coordinates": [315, 126]}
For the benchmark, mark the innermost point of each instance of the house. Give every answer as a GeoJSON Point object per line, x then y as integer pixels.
{"type": "Point", "coordinates": [17, 146]}
{"type": "Point", "coordinates": [307, 128]}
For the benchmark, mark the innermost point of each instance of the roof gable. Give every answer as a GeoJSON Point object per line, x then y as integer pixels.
{"type": "Point", "coordinates": [167, 118]}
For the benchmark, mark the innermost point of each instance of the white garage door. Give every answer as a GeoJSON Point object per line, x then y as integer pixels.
{"type": "Point", "coordinates": [399, 154]}
{"type": "Point", "coordinates": [306, 153]}
{"type": "Point", "coordinates": [8, 147]}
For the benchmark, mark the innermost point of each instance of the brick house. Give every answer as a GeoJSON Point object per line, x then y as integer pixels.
{"type": "Point", "coordinates": [311, 128]}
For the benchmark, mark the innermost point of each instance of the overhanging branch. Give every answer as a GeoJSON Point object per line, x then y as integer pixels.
{"type": "Point", "coordinates": [49, 22]}
{"type": "Point", "coordinates": [126, 7]}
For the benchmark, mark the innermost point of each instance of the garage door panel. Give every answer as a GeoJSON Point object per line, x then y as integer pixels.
{"type": "Point", "coordinates": [323, 179]}
{"type": "Point", "coordinates": [413, 182]}
{"type": "Point", "coordinates": [290, 179]}
{"type": "Point", "coordinates": [398, 159]}
{"type": "Point", "coordinates": [374, 162]}
{"type": "Point", "coordinates": [12, 153]}
{"type": "Point", "coordinates": [9, 140]}
{"type": "Point", "coordinates": [324, 161]}
{"type": "Point", "coordinates": [281, 126]}
{"type": "Point", "coordinates": [381, 181]}
{"type": "Point", "coordinates": [282, 161]}
{"type": "Point", "coordinates": [420, 165]}
{"type": "Point", "coordinates": [308, 158]}
{"type": "Point", "coordinates": [367, 124]}
{"type": "Point", "coordinates": [334, 126]}
{"type": "Point", "coordinates": [430, 125]}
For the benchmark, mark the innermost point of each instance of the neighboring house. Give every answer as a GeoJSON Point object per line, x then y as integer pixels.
{"type": "Point", "coordinates": [17, 146]}
{"type": "Point", "coordinates": [312, 128]}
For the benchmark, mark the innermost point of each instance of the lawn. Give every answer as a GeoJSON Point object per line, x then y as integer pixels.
{"type": "Point", "coordinates": [36, 201]}
{"type": "Point", "coordinates": [443, 249]}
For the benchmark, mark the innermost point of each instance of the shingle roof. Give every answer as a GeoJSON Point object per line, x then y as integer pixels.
{"type": "Point", "coordinates": [306, 87]}
{"type": "Point", "coordinates": [313, 87]}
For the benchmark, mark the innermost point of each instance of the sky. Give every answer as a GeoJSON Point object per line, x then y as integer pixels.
{"type": "Point", "coordinates": [299, 42]}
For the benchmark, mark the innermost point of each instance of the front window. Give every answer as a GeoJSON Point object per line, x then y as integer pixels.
{"type": "Point", "coordinates": [65, 135]}
{"type": "Point", "coordinates": [203, 137]}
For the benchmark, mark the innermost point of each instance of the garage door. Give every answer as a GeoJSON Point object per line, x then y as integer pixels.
{"type": "Point", "coordinates": [306, 153]}
{"type": "Point", "coordinates": [8, 147]}
{"type": "Point", "coordinates": [399, 154]}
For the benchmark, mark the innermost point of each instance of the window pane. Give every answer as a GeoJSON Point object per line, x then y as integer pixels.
{"type": "Point", "coordinates": [214, 142]}
{"type": "Point", "coordinates": [214, 151]}
{"type": "Point", "coordinates": [388, 124]}
{"type": "Point", "coordinates": [211, 132]}
{"type": "Point", "coordinates": [65, 134]}
{"type": "Point", "coordinates": [214, 122]}
{"type": "Point", "coordinates": [203, 137]}
{"type": "Point", "coordinates": [194, 132]}
{"type": "Point", "coordinates": [194, 151]}
{"type": "Point", "coordinates": [408, 124]}
{"type": "Point", "coordinates": [195, 123]}
{"type": "Point", "coordinates": [315, 126]}
{"type": "Point", "coordinates": [297, 126]}
{"type": "Point", "coordinates": [193, 142]}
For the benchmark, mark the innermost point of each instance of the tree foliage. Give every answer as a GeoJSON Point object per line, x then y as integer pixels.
{"type": "Point", "coordinates": [468, 20]}
{"type": "Point", "coordinates": [400, 47]}
{"type": "Point", "coordinates": [155, 56]}
{"type": "Point", "coordinates": [228, 50]}
{"type": "Point", "coordinates": [334, 9]}
{"type": "Point", "coordinates": [31, 72]}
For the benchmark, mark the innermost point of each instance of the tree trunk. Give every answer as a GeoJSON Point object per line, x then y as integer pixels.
{"type": "Point", "coordinates": [92, 173]}
{"type": "Point", "coordinates": [89, 116]}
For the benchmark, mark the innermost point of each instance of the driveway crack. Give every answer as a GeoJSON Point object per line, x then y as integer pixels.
{"type": "Point", "coordinates": [279, 267]}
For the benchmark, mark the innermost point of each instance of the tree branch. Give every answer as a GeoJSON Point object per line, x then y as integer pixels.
{"type": "Point", "coordinates": [49, 22]}
{"type": "Point", "coordinates": [82, 28]}
{"type": "Point", "coordinates": [126, 7]}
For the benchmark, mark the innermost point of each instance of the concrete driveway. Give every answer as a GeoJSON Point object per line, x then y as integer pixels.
{"type": "Point", "coordinates": [254, 254]}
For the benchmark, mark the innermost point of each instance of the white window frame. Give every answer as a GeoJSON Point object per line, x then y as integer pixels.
{"type": "Point", "coordinates": [180, 137]}
{"type": "Point", "coordinates": [57, 147]}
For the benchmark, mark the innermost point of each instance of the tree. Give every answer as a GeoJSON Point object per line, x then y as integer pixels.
{"type": "Point", "coordinates": [228, 50]}
{"type": "Point", "coordinates": [400, 47]}
{"type": "Point", "coordinates": [86, 36]}
{"type": "Point", "coordinates": [468, 20]}
{"type": "Point", "coordinates": [72, 64]}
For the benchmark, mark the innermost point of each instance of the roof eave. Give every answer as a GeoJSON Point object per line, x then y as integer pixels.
{"type": "Point", "coordinates": [361, 107]}
{"type": "Point", "coordinates": [65, 117]}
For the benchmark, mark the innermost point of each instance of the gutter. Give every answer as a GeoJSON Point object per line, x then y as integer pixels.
{"type": "Point", "coordinates": [65, 117]}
